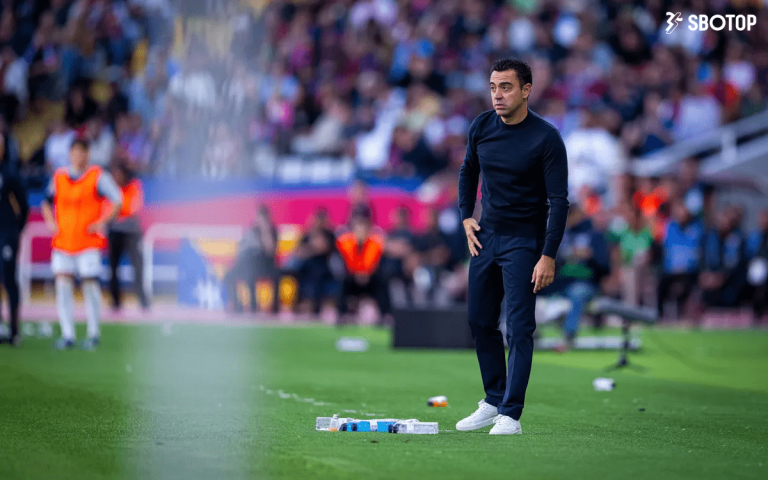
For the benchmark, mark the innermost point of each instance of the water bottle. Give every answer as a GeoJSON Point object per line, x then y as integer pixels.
{"type": "Point", "coordinates": [441, 401]}
{"type": "Point", "coordinates": [334, 424]}
{"type": "Point", "coordinates": [604, 384]}
{"type": "Point", "coordinates": [322, 423]}
{"type": "Point", "coordinates": [415, 427]}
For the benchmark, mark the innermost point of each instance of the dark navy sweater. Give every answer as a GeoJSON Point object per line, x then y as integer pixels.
{"type": "Point", "coordinates": [525, 178]}
{"type": "Point", "coordinates": [11, 222]}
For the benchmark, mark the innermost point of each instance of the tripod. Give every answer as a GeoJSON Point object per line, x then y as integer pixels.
{"type": "Point", "coordinates": [623, 361]}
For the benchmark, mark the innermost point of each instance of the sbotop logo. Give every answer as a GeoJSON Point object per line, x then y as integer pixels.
{"type": "Point", "coordinates": [714, 22]}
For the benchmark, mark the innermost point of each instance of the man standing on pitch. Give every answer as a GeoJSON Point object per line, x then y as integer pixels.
{"type": "Point", "coordinates": [73, 210]}
{"type": "Point", "coordinates": [525, 206]}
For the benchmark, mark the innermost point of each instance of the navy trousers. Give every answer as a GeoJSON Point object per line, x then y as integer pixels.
{"type": "Point", "coordinates": [502, 272]}
{"type": "Point", "coordinates": [9, 249]}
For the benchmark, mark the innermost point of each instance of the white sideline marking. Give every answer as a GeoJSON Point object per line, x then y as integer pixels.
{"type": "Point", "coordinates": [285, 396]}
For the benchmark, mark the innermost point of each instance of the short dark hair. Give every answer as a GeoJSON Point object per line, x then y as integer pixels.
{"type": "Point", "coordinates": [521, 68]}
{"type": "Point", "coordinates": [80, 142]}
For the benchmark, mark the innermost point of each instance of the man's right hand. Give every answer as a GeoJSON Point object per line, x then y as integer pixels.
{"type": "Point", "coordinates": [470, 227]}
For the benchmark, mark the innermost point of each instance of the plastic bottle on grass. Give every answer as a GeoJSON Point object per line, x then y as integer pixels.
{"type": "Point", "coordinates": [414, 427]}
{"type": "Point", "coordinates": [335, 423]}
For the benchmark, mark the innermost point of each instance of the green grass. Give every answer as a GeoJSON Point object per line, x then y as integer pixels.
{"type": "Point", "coordinates": [221, 402]}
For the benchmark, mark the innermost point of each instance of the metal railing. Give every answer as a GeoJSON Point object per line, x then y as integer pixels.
{"type": "Point", "coordinates": [722, 142]}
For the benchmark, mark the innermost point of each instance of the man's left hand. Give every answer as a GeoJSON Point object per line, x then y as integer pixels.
{"type": "Point", "coordinates": [543, 273]}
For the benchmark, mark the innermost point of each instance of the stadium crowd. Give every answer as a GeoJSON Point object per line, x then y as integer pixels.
{"type": "Point", "coordinates": [393, 85]}
{"type": "Point", "coordinates": [667, 246]}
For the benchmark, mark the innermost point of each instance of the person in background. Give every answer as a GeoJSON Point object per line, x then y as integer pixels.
{"type": "Point", "coordinates": [102, 141]}
{"type": "Point", "coordinates": [14, 210]}
{"type": "Point", "coordinates": [757, 270]}
{"type": "Point", "coordinates": [435, 254]}
{"type": "Point", "coordinates": [317, 282]}
{"type": "Point", "coordinates": [689, 186]}
{"type": "Point", "coordinates": [681, 257]}
{"type": "Point", "coordinates": [360, 200]}
{"type": "Point", "coordinates": [80, 107]}
{"type": "Point", "coordinates": [255, 258]}
{"type": "Point", "coordinates": [582, 262]}
{"type": "Point", "coordinates": [724, 275]}
{"type": "Point", "coordinates": [361, 250]}
{"type": "Point", "coordinates": [73, 211]}
{"type": "Point", "coordinates": [57, 145]}
{"type": "Point", "coordinates": [633, 252]}
{"type": "Point", "coordinates": [125, 236]}
{"type": "Point", "coordinates": [400, 258]}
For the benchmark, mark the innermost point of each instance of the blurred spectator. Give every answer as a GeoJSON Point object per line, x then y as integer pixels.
{"type": "Point", "coordinates": [757, 273]}
{"type": "Point", "coordinates": [411, 155]}
{"type": "Point", "coordinates": [125, 236]}
{"type": "Point", "coordinates": [633, 247]}
{"type": "Point", "coordinates": [194, 83]}
{"type": "Point", "coordinates": [691, 109]}
{"type": "Point", "coordinates": [682, 256]}
{"type": "Point", "coordinates": [57, 145]}
{"type": "Point", "coordinates": [595, 157]}
{"type": "Point", "coordinates": [222, 155]}
{"type": "Point", "coordinates": [326, 134]}
{"type": "Point", "coordinates": [102, 142]}
{"type": "Point", "coordinates": [147, 99]}
{"type": "Point", "coordinates": [317, 281]}
{"type": "Point", "coordinates": [80, 107]}
{"type": "Point", "coordinates": [724, 276]}
{"type": "Point", "coordinates": [583, 260]}
{"type": "Point", "coordinates": [255, 260]}
{"type": "Point", "coordinates": [725, 93]}
{"type": "Point", "coordinates": [434, 256]}
{"type": "Point", "coordinates": [133, 141]}
{"type": "Point", "coordinates": [13, 84]}
{"type": "Point", "coordinates": [43, 59]}
{"type": "Point", "coordinates": [399, 258]}
{"type": "Point", "coordinates": [361, 250]}
{"type": "Point", "coordinates": [360, 201]}
{"type": "Point", "coordinates": [117, 104]}
{"type": "Point", "coordinates": [689, 187]}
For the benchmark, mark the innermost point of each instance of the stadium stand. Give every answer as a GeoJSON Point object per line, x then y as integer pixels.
{"type": "Point", "coordinates": [284, 97]}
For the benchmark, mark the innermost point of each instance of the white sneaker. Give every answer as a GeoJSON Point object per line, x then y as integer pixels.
{"type": "Point", "coordinates": [483, 416]}
{"type": "Point", "coordinates": [506, 426]}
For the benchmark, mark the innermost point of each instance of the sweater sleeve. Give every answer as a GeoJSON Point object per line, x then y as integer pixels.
{"type": "Point", "coordinates": [20, 194]}
{"type": "Point", "coordinates": [469, 176]}
{"type": "Point", "coordinates": [556, 185]}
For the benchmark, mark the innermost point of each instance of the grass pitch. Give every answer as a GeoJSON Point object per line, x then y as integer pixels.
{"type": "Point", "coordinates": [219, 402]}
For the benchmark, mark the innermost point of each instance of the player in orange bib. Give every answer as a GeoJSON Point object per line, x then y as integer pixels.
{"type": "Point", "coordinates": [73, 210]}
{"type": "Point", "coordinates": [125, 235]}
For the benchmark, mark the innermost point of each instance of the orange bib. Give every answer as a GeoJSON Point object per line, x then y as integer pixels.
{"type": "Point", "coordinates": [77, 205]}
{"type": "Point", "coordinates": [360, 259]}
{"type": "Point", "coordinates": [133, 198]}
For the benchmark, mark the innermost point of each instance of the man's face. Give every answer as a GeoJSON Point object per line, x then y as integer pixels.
{"type": "Point", "coordinates": [79, 157]}
{"type": "Point", "coordinates": [360, 229]}
{"type": "Point", "coordinates": [506, 93]}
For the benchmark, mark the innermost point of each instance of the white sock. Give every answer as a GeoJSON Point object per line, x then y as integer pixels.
{"type": "Point", "coordinates": [65, 305]}
{"type": "Point", "coordinates": [92, 294]}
